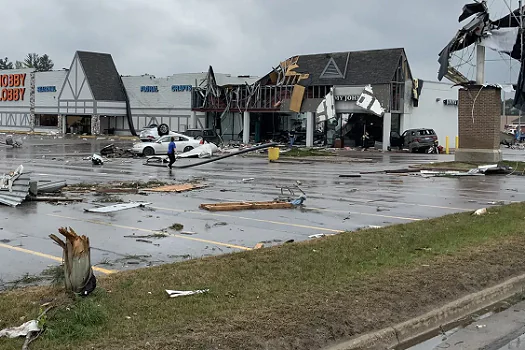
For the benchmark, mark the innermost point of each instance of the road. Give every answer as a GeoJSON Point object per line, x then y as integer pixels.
{"type": "Point", "coordinates": [333, 204]}
{"type": "Point", "coordinates": [501, 331]}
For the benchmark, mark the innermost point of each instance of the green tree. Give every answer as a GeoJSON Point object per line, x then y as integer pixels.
{"type": "Point", "coordinates": [45, 64]}
{"type": "Point", "coordinates": [19, 65]}
{"type": "Point", "coordinates": [39, 63]}
{"type": "Point", "coordinates": [5, 64]}
{"type": "Point", "coordinates": [508, 109]}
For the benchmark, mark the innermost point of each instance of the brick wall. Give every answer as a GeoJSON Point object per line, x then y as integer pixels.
{"type": "Point", "coordinates": [479, 127]}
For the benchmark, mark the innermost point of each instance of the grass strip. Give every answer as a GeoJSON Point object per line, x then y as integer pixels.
{"type": "Point", "coordinates": [300, 296]}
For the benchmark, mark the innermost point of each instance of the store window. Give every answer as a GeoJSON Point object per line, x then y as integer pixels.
{"type": "Point", "coordinates": [46, 120]}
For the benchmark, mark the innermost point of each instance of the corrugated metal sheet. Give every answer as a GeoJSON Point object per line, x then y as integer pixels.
{"type": "Point", "coordinates": [19, 194]}
{"type": "Point", "coordinates": [48, 187]}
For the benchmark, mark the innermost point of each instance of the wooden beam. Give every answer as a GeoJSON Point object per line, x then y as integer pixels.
{"type": "Point", "coordinates": [230, 206]}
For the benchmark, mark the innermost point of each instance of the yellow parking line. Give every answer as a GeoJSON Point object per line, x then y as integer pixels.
{"type": "Point", "coordinates": [96, 222]}
{"type": "Point", "coordinates": [50, 257]}
{"type": "Point", "coordinates": [250, 219]}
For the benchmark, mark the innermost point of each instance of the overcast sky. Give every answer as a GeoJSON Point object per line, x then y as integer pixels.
{"type": "Point", "coordinates": [163, 37]}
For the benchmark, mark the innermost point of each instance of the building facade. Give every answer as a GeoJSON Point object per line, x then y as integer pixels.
{"type": "Point", "coordinates": [309, 94]}
{"type": "Point", "coordinates": [91, 97]}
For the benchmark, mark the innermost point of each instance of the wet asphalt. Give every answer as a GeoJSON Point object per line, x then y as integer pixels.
{"type": "Point", "coordinates": [333, 204]}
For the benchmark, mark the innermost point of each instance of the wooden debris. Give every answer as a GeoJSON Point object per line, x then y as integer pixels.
{"type": "Point", "coordinates": [229, 206]}
{"type": "Point", "coordinates": [175, 188]}
{"type": "Point", "coordinates": [79, 277]}
{"type": "Point", "coordinates": [259, 246]}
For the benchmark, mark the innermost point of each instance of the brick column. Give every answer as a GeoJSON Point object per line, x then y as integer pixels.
{"type": "Point", "coordinates": [479, 114]}
{"type": "Point", "coordinates": [32, 116]}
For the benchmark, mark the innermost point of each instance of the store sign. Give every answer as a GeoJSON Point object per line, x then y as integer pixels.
{"type": "Point", "coordinates": [450, 102]}
{"type": "Point", "coordinates": [347, 98]}
{"type": "Point", "coordinates": [12, 87]}
{"type": "Point", "coordinates": [46, 89]}
{"type": "Point", "coordinates": [149, 89]}
{"type": "Point", "coordinates": [180, 88]}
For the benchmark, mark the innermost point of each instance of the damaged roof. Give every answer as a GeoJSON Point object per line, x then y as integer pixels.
{"type": "Point", "coordinates": [102, 76]}
{"type": "Point", "coordinates": [351, 67]}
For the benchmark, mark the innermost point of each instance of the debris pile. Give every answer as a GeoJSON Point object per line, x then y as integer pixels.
{"type": "Point", "coordinates": [14, 187]}
{"type": "Point", "coordinates": [481, 170]}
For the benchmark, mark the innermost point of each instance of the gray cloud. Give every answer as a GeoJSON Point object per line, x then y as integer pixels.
{"type": "Point", "coordinates": [163, 37]}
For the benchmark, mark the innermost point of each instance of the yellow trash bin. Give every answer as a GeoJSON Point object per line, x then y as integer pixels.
{"type": "Point", "coordinates": [273, 153]}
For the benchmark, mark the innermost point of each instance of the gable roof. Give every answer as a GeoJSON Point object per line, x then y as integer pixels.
{"type": "Point", "coordinates": [357, 67]}
{"type": "Point", "coordinates": [102, 76]}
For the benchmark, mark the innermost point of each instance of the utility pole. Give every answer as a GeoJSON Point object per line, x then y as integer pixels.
{"type": "Point", "coordinates": [480, 60]}
{"type": "Point", "coordinates": [520, 4]}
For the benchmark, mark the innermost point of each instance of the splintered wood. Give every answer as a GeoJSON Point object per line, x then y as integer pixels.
{"type": "Point", "coordinates": [78, 272]}
{"type": "Point", "coordinates": [175, 188]}
{"type": "Point", "coordinates": [230, 206]}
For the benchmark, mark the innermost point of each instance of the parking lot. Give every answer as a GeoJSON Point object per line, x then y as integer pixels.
{"type": "Point", "coordinates": [333, 205]}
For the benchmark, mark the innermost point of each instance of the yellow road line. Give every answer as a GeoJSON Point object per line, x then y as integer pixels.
{"type": "Point", "coordinates": [250, 219]}
{"type": "Point", "coordinates": [50, 257]}
{"type": "Point", "coordinates": [96, 222]}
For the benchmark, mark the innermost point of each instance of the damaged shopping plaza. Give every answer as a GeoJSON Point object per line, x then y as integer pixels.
{"type": "Point", "coordinates": [272, 211]}
{"type": "Point", "coordinates": [314, 96]}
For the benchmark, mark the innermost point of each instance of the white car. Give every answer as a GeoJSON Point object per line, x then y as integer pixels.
{"type": "Point", "coordinates": [183, 143]}
{"type": "Point", "coordinates": [151, 132]}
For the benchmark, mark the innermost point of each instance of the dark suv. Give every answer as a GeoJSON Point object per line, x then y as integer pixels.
{"type": "Point", "coordinates": [416, 140]}
{"type": "Point", "coordinates": [208, 135]}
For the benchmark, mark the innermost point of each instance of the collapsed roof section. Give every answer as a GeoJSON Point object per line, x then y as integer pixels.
{"type": "Point", "coordinates": [502, 35]}
{"type": "Point", "coordinates": [287, 86]}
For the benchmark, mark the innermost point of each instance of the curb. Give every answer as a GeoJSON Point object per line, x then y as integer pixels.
{"type": "Point", "coordinates": [391, 337]}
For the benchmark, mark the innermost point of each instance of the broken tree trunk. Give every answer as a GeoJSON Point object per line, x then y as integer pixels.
{"type": "Point", "coordinates": [79, 277]}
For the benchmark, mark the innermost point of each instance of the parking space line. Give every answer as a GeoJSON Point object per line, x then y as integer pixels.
{"type": "Point", "coordinates": [367, 214]}
{"type": "Point", "coordinates": [251, 219]}
{"type": "Point", "coordinates": [50, 257]}
{"type": "Point", "coordinates": [96, 222]}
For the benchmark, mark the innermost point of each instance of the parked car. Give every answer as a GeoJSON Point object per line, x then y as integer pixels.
{"type": "Point", "coordinates": [182, 142]}
{"type": "Point", "coordinates": [208, 135]}
{"type": "Point", "coordinates": [415, 140]}
{"type": "Point", "coordinates": [153, 132]}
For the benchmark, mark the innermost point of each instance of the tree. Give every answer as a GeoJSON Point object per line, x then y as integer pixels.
{"type": "Point", "coordinates": [5, 64]}
{"type": "Point", "coordinates": [39, 63]}
{"type": "Point", "coordinates": [45, 64]}
{"type": "Point", "coordinates": [31, 61]}
{"type": "Point", "coordinates": [19, 65]}
{"type": "Point", "coordinates": [508, 109]}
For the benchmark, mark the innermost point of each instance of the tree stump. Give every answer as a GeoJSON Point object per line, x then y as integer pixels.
{"type": "Point", "coordinates": [79, 277]}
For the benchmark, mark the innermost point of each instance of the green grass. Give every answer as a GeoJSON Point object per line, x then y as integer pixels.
{"type": "Point", "coordinates": [285, 292]}
{"type": "Point", "coordinates": [177, 227]}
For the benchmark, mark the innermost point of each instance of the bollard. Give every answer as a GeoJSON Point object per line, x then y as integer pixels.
{"type": "Point", "coordinates": [457, 142]}
{"type": "Point", "coordinates": [447, 150]}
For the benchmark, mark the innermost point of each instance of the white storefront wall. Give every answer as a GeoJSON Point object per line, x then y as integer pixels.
{"type": "Point", "coordinates": [433, 112]}
{"type": "Point", "coordinates": [15, 110]}
{"type": "Point", "coordinates": [163, 100]}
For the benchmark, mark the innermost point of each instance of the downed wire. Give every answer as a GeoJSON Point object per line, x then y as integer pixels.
{"type": "Point", "coordinates": [247, 150]}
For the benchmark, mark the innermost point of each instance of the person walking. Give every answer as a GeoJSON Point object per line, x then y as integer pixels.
{"type": "Point", "coordinates": [171, 152]}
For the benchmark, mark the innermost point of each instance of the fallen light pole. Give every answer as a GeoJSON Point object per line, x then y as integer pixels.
{"type": "Point", "coordinates": [79, 277]}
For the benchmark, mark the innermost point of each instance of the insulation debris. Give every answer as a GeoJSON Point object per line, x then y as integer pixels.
{"type": "Point", "coordinates": [230, 206]}
{"type": "Point", "coordinates": [117, 207]}
{"type": "Point", "coordinates": [205, 151]}
{"type": "Point", "coordinates": [176, 188]}
{"type": "Point", "coordinates": [21, 331]}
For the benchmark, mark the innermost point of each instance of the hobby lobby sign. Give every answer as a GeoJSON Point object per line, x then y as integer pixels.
{"type": "Point", "coordinates": [12, 87]}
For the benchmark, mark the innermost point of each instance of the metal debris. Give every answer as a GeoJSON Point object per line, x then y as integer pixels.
{"type": "Point", "coordinates": [14, 187]}
{"type": "Point", "coordinates": [116, 207]}
{"type": "Point", "coordinates": [179, 293]}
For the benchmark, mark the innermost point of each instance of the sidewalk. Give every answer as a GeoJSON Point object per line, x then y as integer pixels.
{"type": "Point", "coordinates": [70, 136]}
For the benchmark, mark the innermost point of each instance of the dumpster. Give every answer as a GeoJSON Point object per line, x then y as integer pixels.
{"type": "Point", "coordinates": [273, 153]}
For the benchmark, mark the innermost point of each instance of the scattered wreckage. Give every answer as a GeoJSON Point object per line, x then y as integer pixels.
{"type": "Point", "coordinates": [481, 170]}
{"type": "Point", "coordinates": [17, 187]}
